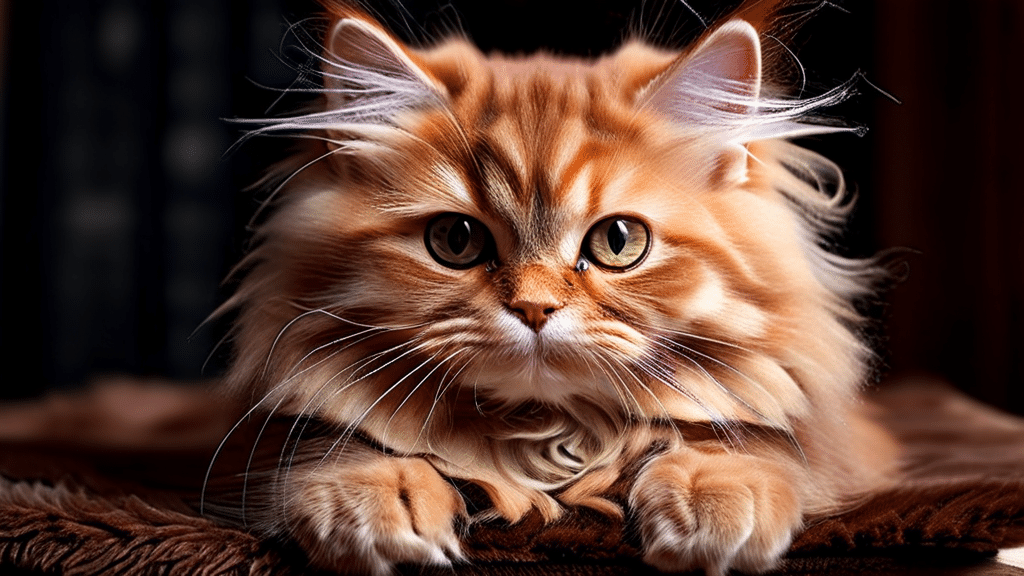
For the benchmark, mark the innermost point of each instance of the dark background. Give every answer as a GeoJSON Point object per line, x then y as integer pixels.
{"type": "Point", "coordinates": [120, 214]}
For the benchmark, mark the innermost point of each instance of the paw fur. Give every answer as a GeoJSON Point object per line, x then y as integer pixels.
{"type": "Point", "coordinates": [715, 512]}
{"type": "Point", "coordinates": [366, 518]}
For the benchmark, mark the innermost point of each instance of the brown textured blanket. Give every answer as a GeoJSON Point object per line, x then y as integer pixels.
{"type": "Point", "coordinates": [105, 482]}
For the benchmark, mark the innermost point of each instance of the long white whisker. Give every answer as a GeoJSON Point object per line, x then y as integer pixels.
{"type": "Point", "coordinates": [413, 390]}
{"type": "Point", "coordinates": [684, 353]}
{"type": "Point", "coordinates": [355, 425]}
{"type": "Point", "coordinates": [647, 389]}
{"type": "Point", "coordinates": [656, 373]}
{"type": "Point", "coordinates": [441, 390]}
{"type": "Point", "coordinates": [373, 332]}
{"type": "Point", "coordinates": [352, 368]}
{"type": "Point", "coordinates": [216, 453]}
{"type": "Point", "coordinates": [252, 455]}
{"type": "Point", "coordinates": [286, 327]}
{"type": "Point", "coordinates": [284, 182]}
{"type": "Point", "coordinates": [717, 421]}
{"type": "Point", "coordinates": [697, 368]}
{"type": "Point", "coordinates": [622, 387]}
{"type": "Point", "coordinates": [248, 414]}
{"type": "Point", "coordinates": [781, 428]}
{"type": "Point", "coordinates": [351, 428]}
{"type": "Point", "coordinates": [693, 336]}
{"type": "Point", "coordinates": [259, 436]}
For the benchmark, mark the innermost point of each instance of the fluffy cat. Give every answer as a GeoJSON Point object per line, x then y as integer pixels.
{"type": "Point", "coordinates": [537, 274]}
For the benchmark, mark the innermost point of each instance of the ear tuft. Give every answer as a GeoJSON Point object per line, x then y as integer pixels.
{"type": "Point", "coordinates": [720, 77]}
{"type": "Point", "coordinates": [371, 77]}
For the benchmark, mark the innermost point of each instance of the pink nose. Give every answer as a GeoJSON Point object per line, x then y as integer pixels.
{"type": "Point", "coordinates": [533, 314]}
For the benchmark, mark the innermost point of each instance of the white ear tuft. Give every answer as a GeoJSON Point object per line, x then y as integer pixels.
{"type": "Point", "coordinates": [369, 77]}
{"type": "Point", "coordinates": [721, 75]}
{"type": "Point", "coordinates": [715, 90]}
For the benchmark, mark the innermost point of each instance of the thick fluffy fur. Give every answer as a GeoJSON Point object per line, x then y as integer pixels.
{"type": "Point", "coordinates": [539, 375]}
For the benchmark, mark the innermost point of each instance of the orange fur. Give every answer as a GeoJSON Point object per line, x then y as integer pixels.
{"type": "Point", "coordinates": [539, 373]}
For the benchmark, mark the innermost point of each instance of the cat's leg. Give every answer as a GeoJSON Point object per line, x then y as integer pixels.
{"type": "Point", "coordinates": [715, 511]}
{"type": "Point", "coordinates": [364, 515]}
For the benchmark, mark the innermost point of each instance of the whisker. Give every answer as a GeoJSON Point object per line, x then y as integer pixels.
{"type": "Point", "coordinates": [220, 447]}
{"type": "Point", "coordinates": [354, 426]}
{"type": "Point", "coordinates": [304, 409]}
{"type": "Point", "coordinates": [441, 390]}
{"type": "Point", "coordinates": [684, 353]}
{"type": "Point", "coordinates": [691, 335]}
{"type": "Point", "coordinates": [307, 313]}
{"type": "Point", "coordinates": [351, 428]}
{"type": "Point", "coordinates": [285, 460]}
{"type": "Point", "coordinates": [783, 428]}
{"type": "Point", "coordinates": [643, 386]}
{"type": "Point", "coordinates": [294, 375]}
{"type": "Point", "coordinates": [697, 368]}
{"type": "Point", "coordinates": [416, 387]}
{"type": "Point", "coordinates": [656, 371]}
{"type": "Point", "coordinates": [717, 421]}
{"type": "Point", "coordinates": [622, 387]}
{"type": "Point", "coordinates": [252, 456]}
{"type": "Point", "coordinates": [265, 203]}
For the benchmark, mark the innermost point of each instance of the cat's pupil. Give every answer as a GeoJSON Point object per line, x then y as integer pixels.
{"type": "Point", "coordinates": [458, 236]}
{"type": "Point", "coordinates": [618, 236]}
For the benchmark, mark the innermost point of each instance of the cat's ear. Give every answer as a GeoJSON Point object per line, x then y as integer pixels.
{"type": "Point", "coordinates": [369, 77]}
{"type": "Point", "coordinates": [719, 78]}
{"type": "Point", "coordinates": [714, 90]}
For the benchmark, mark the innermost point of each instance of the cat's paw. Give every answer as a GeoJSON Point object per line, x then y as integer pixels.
{"type": "Point", "coordinates": [363, 518]}
{"type": "Point", "coordinates": [715, 512]}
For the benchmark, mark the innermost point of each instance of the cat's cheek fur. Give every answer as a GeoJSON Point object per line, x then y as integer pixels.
{"type": "Point", "coordinates": [715, 511]}
{"type": "Point", "coordinates": [363, 518]}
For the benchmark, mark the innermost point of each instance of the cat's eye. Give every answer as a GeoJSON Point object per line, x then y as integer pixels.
{"type": "Point", "coordinates": [458, 241]}
{"type": "Point", "coordinates": [617, 243]}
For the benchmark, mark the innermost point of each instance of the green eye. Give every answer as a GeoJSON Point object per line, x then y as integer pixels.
{"type": "Point", "coordinates": [457, 241]}
{"type": "Point", "coordinates": [617, 243]}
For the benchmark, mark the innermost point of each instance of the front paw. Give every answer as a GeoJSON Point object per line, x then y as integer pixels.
{"type": "Point", "coordinates": [363, 518]}
{"type": "Point", "coordinates": [715, 512]}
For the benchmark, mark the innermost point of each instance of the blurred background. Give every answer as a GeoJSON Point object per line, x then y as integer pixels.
{"type": "Point", "coordinates": [121, 214]}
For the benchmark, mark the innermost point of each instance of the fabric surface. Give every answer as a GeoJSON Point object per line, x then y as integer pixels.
{"type": "Point", "coordinates": [106, 482]}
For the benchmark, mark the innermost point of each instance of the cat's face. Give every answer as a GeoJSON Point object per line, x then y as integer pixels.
{"type": "Point", "coordinates": [554, 251]}
{"type": "Point", "coordinates": [539, 230]}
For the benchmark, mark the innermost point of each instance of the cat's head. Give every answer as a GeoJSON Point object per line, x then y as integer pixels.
{"type": "Point", "coordinates": [632, 232]}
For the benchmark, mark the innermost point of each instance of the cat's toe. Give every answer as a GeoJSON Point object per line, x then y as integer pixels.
{"type": "Point", "coordinates": [714, 512]}
{"type": "Point", "coordinates": [366, 519]}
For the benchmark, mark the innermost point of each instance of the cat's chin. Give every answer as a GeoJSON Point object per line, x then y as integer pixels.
{"type": "Point", "coordinates": [540, 381]}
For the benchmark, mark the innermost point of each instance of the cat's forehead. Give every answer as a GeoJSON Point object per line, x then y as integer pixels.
{"type": "Point", "coordinates": [549, 141]}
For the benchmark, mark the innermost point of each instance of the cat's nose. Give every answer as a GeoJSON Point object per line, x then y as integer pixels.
{"type": "Point", "coordinates": [533, 314]}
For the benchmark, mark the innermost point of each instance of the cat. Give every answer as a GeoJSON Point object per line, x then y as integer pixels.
{"type": "Point", "coordinates": [541, 275]}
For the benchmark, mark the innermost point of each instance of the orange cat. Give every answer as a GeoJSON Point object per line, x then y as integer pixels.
{"type": "Point", "coordinates": [532, 273]}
